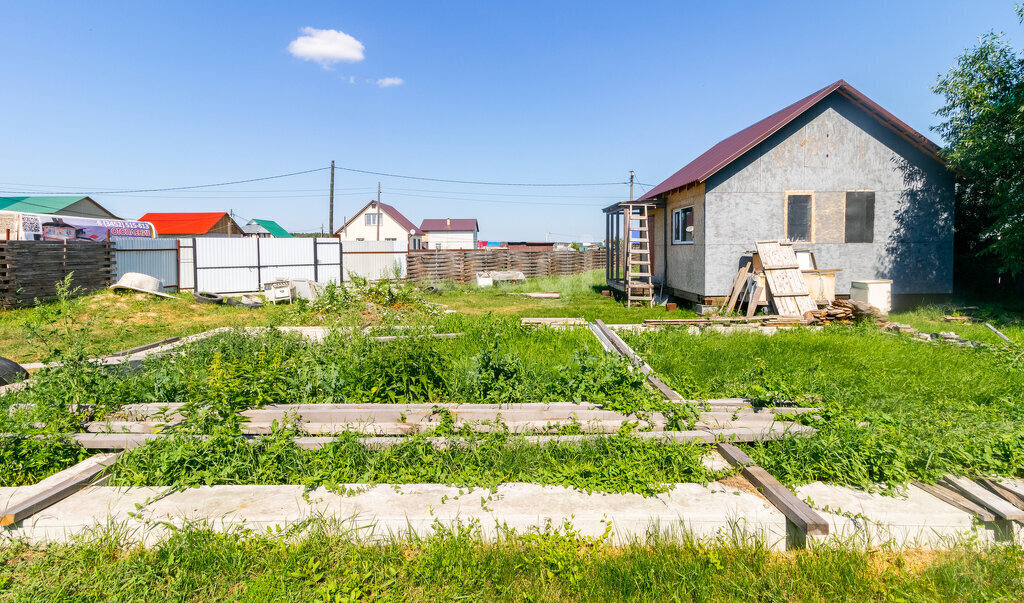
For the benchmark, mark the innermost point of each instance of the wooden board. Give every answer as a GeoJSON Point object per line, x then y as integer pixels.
{"type": "Point", "coordinates": [787, 288]}
{"type": "Point", "coordinates": [797, 511]}
{"type": "Point", "coordinates": [78, 477]}
{"type": "Point", "coordinates": [737, 286]}
{"type": "Point", "coordinates": [979, 495]}
{"type": "Point", "coordinates": [954, 498]}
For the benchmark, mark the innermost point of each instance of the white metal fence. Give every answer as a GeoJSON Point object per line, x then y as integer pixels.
{"type": "Point", "coordinates": [228, 265]}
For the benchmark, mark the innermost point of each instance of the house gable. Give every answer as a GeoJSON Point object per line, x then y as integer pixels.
{"type": "Point", "coordinates": [829, 151]}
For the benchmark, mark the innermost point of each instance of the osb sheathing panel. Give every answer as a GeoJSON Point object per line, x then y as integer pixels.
{"type": "Point", "coordinates": [686, 261]}
{"type": "Point", "coordinates": [829, 217]}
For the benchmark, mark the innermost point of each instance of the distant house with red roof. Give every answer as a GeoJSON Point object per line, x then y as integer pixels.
{"type": "Point", "coordinates": [451, 233]}
{"type": "Point", "coordinates": [383, 223]}
{"type": "Point", "coordinates": [193, 224]}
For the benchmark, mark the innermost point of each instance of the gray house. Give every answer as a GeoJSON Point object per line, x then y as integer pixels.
{"type": "Point", "coordinates": [834, 172]}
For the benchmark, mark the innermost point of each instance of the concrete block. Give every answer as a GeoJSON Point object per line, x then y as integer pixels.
{"type": "Point", "coordinates": [915, 520]}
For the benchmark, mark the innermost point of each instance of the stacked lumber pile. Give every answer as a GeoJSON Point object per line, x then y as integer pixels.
{"type": "Point", "coordinates": [845, 311]}
{"type": "Point", "coordinates": [30, 270]}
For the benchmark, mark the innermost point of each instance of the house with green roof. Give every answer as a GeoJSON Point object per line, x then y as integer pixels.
{"type": "Point", "coordinates": [265, 229]}
{"type": "Point", "coordinates": [64, 205]}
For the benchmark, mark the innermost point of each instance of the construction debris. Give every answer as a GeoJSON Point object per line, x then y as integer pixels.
{"type": "Point", "coordinates": [844, 311]}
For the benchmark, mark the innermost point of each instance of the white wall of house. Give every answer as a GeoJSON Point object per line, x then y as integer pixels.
{"type": "Point", "coordinates": [450, 239]}
{"type": "Point", "coordinates": [365, 229]}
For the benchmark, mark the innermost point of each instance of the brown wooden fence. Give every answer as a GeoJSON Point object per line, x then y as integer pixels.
{"type": "Point", "coordinates": [32, 269]}
{"type": "Point", "coordinates": [461, 266]}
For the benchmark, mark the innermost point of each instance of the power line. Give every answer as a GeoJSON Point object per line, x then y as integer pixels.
{"type": "Point", "coordinates": [182, 188]}
{"type": "Point", "coordinates": [478, 182]}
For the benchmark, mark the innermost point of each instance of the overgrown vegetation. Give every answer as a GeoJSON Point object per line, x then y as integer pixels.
{"type": "Point", "coordinates": [892, 409]}
{"type": "Point", "coordinates": [556, 563]}
{"type": "Point", "coordinates": [619, 463]}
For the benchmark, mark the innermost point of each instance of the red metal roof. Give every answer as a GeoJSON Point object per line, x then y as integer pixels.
{"type": "Point", "coordinates": [183, 223]}
{"type": "Point", "coordinates": [730, 149]}
{"type": "Point", "coordinates": [450, 224]}
{"type": "Point", "coordinates": [398, 217]}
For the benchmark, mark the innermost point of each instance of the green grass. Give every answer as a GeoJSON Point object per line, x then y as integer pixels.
{"type": "Point", "coordinates": [580, 297]}
{"type": "Point", "coordinates": [619, 463]}
{"type": "Point", "coordinates": [554, 564]}
{"type": "Point", "coordinates": [892, 409]}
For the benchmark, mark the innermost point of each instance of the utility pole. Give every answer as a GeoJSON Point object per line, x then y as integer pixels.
{"type": "Point", "coordinates": [630, 185]}
{"type": "Point", "coordinates": [331, 220]}
{"type": "Point", "coordinates": [378, 210]}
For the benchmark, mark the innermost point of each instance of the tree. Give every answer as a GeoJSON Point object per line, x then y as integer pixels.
{"type": "Point", "coordinates": [984, 129]}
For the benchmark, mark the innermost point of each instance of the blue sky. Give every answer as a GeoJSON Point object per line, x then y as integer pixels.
{"type": "Point", "coordinates": [106, 96]}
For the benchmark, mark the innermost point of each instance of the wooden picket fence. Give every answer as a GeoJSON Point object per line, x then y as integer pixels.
{"type": "Point", "coordinates": [461, 266]}
{"type": "Point", "coordinates": [30, 270]}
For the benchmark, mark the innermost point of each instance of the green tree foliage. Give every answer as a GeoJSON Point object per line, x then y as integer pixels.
{"type": "Point", "coordinates": [984, 128]}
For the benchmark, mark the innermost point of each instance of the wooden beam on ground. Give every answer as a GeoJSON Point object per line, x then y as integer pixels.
{"type": "Point", "coordinates": [797, 511]}
{"type": "Point", "coordinates": [623, 349]}
{"type": "Point", "coordinates": [1000, 334]}
{"type": "Point", "coordinates": [77, 477]}
{"type": "Point", "coordinates": [1015, 496]}
{"type": "Point", "coordinates": [991, 501]}
{"type": "Point", "coordinates": [954, 498]}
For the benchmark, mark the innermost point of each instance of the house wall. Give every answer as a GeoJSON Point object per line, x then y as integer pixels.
{"type": "Point", "coordinates": [450, 239]}
{"type": "Point", "coordinates": [833, 148]}
{"type": "Point", "coordinates": [656, 231]}
{"type": "Point", "coordinates": [389, 228]}
{"type": "Point", "coordinates": [685, 261]}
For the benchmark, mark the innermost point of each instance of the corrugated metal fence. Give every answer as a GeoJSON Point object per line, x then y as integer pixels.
{"type": "Point", "coordinates": [227, 265]}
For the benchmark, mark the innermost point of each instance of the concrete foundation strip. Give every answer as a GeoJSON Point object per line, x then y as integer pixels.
{"type": "Point", "coordinates": [803, 517]}
{"type": "Point", "coordinates": [127, 441]}
{"type": "Point", "coordinates": [79, 476]}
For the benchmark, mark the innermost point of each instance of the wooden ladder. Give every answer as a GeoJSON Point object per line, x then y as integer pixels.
{"type": "Point", "coordinates": [639, 288]}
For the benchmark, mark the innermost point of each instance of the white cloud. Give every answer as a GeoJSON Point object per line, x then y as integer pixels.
{"type": "Point", "coordinates": [387, 82]}
{"type": "Point", "coordinates": [326, 46]}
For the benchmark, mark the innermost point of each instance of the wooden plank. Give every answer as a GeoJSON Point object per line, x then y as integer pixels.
{"type": "Point", "coordinates": [978, 495]}
{"type": "Point", "coordinates": [954, 498]}
{"type": "Point", "coordinates": [752, 304]}
{"type": "Point", "coordinates": [1014, 496]}
{"type": "Point", "coordinates": [997, 332]}
{"type": "Point", "coordinates": [737, 286]}
{"type": "Point", "coordinates": [78, 477]}
{"type": "Point", "coordinates": [797, 511]}
{"type": "Point", "coordinates": [735, 456]}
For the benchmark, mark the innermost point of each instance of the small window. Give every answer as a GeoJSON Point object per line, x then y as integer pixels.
{"type": "Point", "coordinates": [360, 239]}
{"type": "Point", "coordinates": [798, 217]}
{"type": "Point", "coordinates": [371, 219]}
{"type": "Point", "coordinates": [860, 217]}
{"type": "Point", "coordinates": [682, 225]}
{"type": "Point", "coordinates": [390, 239]}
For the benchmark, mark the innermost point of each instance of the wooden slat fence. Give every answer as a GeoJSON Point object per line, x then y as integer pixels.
{"type": "Point", "coordinates": [461, 266]}
{"type": "Point", "coordinates": [30, 270]}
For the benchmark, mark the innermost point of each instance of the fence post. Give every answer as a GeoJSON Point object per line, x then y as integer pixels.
{"type": "Point", "coordinates": [316, 272]}
{"type": "Point", "coordinates": [195, 266]}
{"type": "Point", "coordinates": [177, 263]}
{"type": "Point", "coordinates": [259, 267]}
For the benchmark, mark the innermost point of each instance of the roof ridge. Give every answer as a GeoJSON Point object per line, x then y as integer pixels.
{"type": "Point", "coordinates": [733, 147]}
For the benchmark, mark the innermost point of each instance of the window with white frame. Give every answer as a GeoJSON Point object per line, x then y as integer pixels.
{"type": "Point", "coordinates": [371, 219]}
{"type": "Point", "coordinates": [682, 225]}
